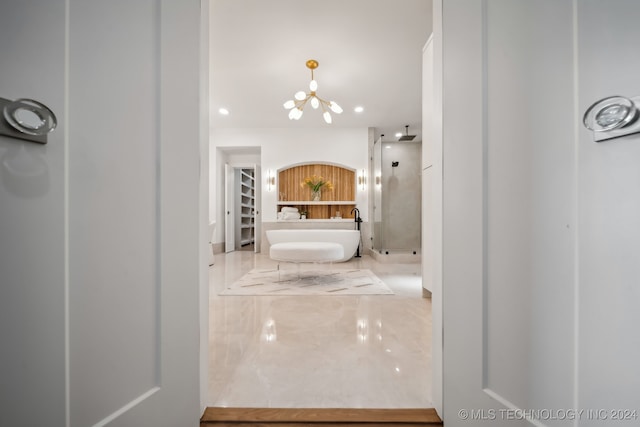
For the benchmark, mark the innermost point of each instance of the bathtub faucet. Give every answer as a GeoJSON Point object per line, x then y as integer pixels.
{"type": "Point", "coordinates": [357, 216]}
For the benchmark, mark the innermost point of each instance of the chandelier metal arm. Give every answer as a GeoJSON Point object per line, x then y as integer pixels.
{"type": "Point", "coordinates": [322, 101]}
{"type": "Point", "coordinates": [301, 104]}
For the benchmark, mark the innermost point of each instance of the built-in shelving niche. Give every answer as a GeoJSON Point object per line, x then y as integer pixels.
{"type": "Point", "coordinates": [247, 206]}
{"type": "Point", "coordinates": [340, 199]}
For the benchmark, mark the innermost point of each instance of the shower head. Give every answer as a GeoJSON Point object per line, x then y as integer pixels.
{"type": "Point", "coordinates": [407, 137]}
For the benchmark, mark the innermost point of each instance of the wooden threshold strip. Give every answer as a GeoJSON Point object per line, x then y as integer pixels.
{"type": "Point", "coordinates": [297, 417]}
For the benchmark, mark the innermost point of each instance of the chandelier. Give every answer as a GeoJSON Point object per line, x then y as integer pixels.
{"type": "Point", "coordinates": [301, 98]}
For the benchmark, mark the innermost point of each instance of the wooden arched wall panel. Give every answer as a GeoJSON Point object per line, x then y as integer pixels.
{"type": "Point", "coordinates": [343, 180]}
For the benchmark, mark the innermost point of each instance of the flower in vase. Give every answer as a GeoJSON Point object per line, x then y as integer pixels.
{"type": "Point", "coordinates": [316, 183]}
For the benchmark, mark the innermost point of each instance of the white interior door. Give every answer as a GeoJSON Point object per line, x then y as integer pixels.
{"type": "Point", "coordinates": [229, 208]}
{"type": "Point", "coordinates": [508, 248]}
{"type": "Point", "coordinates": [536, 215]}
{"type": "Point", "coordinates": [608, 208]}
{"type": "Point", "coordinates": [134, 262]}
{"type": "Point", "coordinates": [32, 219]}
{"type": "Point", "coordinates": [257, 216]}
{"type": "Point", "coordinates": [99, 296]}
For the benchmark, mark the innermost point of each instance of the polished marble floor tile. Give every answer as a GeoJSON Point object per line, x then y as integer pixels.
{"type": "Point", "coordinates": [348, 351]}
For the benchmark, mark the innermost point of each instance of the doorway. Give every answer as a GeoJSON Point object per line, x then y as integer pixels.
{"type": "Point", "coordinates": [257, 304]}
{"type": "Point", "coordinates": [240, 207]}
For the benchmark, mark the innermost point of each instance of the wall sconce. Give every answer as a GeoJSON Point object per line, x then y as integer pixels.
{"type": "Point", "coordinates": [378, 180]}
{"type": "Point", "coordinates": [362, 180]}
{"type": "Point", "coordinates": [271, 180]}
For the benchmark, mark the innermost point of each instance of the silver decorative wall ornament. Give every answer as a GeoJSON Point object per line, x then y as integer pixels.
{"type": "Point", "coordinates": [613, 117]}
{"type": "Point", "coordinates": [26, 119]}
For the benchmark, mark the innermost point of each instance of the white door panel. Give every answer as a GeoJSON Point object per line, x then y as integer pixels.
{"type": "Point", "coordinates": [508, 212]}
{"type": "Point", "coordinates": [100, 261]}
{"type": "Point", "coordinates": [133, 222]}
{"type": "Point", "coordinates": [32, 218]}
{"type": "Point", "coordinates": [113, 199]}
{"type": "Point", "coordinates": [463, 235]}
{"type": "Point", "coordinates": [540, 223]}
{"type": "Point", "coordinates": [608, 211]}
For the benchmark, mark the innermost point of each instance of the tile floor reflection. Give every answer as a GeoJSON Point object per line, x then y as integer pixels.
{"type": "Point", "coordinates": [370, 351]}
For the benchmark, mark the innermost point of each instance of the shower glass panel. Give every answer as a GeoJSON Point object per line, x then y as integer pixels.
{"type": "Point", "coordinates": [377, 195]}
{"type": "Point", "coordinates": [397, 196]}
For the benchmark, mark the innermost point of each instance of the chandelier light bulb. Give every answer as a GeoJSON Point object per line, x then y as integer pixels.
{"type": "Point", "coordinates": [335, 107]}
{"type": "Point", "coordinates": [300, 95]}
{"type": "Point", "coordinates": [289, 104]}
{"type": "Point", "coordinates": [313, 86]}
{"type": "Point", "coordinates": [315, 103]}
{"type": "Point", "coordinates": [293, 114]}
{"type": "Point", "coordinates": [327, 117]}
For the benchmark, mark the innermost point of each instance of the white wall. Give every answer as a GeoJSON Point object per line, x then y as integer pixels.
{"type": "Point", "coordinates": [283, 147]}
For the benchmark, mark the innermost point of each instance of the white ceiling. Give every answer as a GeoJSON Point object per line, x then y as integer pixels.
{"type": "Point", "coordinates": [370, 54]}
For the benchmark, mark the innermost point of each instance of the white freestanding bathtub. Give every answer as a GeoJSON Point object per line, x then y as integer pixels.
{"type": "Point", "coordinates": [349, 239]}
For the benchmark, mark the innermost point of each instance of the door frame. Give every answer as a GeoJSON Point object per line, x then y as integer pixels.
{"type": "Point", "coordinates": [437, 383]}
{"type": "Point", "coordinates": [229, 208]}
{"type": "Point", "coordinates": [230, 190]}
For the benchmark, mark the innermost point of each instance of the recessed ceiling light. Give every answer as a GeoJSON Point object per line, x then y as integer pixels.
{"type": "Point", "coordinates": [224, 111]}
{"type": "Point", "coordinates": [398, 135]}
{"type": "Point", "coordinates": [388, 146]}
{"type": "Point", "coordinates": [358, 109]}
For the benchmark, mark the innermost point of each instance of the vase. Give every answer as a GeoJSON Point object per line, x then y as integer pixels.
{"type": "Point", "coordinates": [315, 196]}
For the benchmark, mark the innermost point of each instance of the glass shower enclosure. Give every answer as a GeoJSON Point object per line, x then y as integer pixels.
{"type": "Point", "coordinates": [397, 196]}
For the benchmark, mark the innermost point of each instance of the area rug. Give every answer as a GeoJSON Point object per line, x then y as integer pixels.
{"type": "Point", "coordinates": [308, 282]}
